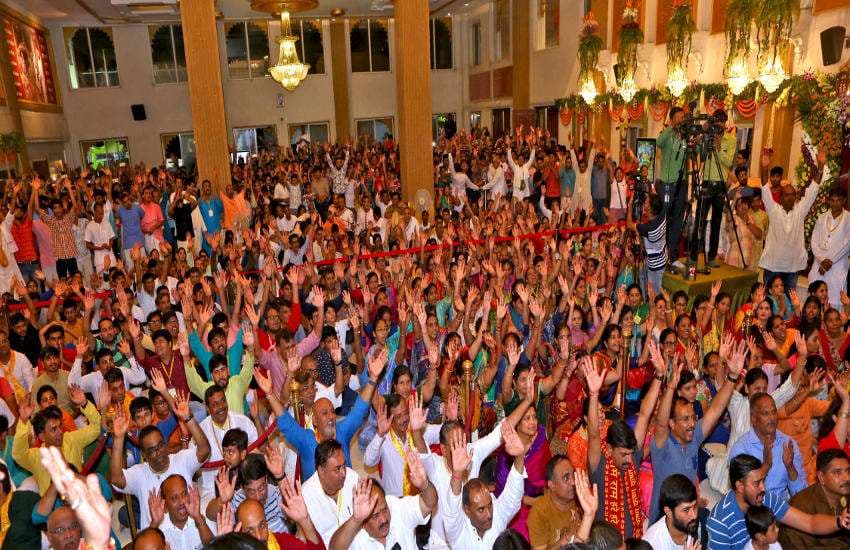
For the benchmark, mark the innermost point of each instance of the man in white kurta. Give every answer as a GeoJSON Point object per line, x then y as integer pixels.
{"type": "Point", "coordinates": [831, 246]}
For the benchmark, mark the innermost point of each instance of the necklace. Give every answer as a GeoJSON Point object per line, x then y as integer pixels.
{"type": "Point", "coordinates": [831, 229]}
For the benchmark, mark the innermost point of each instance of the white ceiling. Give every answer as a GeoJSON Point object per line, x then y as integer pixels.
{"type": "Point", "coordinates": [103, 11]}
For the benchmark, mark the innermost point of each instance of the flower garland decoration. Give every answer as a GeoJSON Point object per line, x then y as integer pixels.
{"type": "Point", "coordinates": [589, 46]}
{"type": "Point", "coordinates": [774, 21]}
{"type": "Point", "coordinates": [680, 31]}
{"type": "Point", "coordinates": [631, 36]}
{"type": "Point", "coordinates": [738, 25]}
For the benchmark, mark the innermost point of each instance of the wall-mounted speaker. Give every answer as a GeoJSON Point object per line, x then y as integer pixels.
{"type": "Point", "coordinates": [832, 44]}
{"type": "Point", "coordinates": [138, 111]}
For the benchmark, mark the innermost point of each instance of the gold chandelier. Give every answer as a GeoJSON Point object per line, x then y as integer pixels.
{"type": "Point", "coordinates": [289, 70]}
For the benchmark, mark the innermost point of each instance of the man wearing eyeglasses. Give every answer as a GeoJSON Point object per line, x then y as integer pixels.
{"type": "Point", "coordinates": [63, 530]}
{"type": "Point", "coordinates": [157, 465]}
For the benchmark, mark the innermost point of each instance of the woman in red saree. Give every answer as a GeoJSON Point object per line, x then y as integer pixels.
{"type": "Point", "coordinates": [834, 341]}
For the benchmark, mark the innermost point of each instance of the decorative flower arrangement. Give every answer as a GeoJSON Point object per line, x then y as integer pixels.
{"type": "Point", "coordinates": [589, 46]}
{"type": "Point", "coordinates": [680, 31]}
{"type": "Point", "coordinates": [631, 36]}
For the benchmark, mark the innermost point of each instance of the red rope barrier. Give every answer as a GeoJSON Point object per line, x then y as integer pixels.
{"type": "Point", "coordinates": [95, 456]}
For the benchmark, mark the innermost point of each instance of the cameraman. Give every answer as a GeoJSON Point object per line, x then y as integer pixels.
{"type": "Point", "coordinates": [715, 173]}
{"type": "Point", "coordinates": [672, 187]}
{"type": "Point", "coordinates": [654, 234]}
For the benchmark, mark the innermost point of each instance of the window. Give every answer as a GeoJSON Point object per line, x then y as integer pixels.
{"type": "Point", "coordinates": [247, 49]}
{"type": "Point", "coordinates": [253, 140]}
{"type": "Point", "coordinates": [310, 47]}
{"type": "Point", "coordinates": [475, 119]}
{"type": "Point", "coordinates": [370, 45]}
{"type": "Point", "coordinates": [548, 23]}
{"type": "Point", "coordinates": [375, 128]}
{"type": "Point", "coordinates": [178, 149]}
{"type": "Point", "coordinates": [501, 30]}
{"type": "Point", "coordinates": [475, 44]}
{"type": "Point", "coordinates": [501, 122]}
{"type": "Point", "coordinates": [91, 57]}
{"type": "Point", "coordinates": [443, 122]}
{"type": "Point", "coordinates": [109, 152]}
{"type": "Point", "coordinates": [168, 54]}
{"type": "Point", "coordinates": [547, 119]}
{"type": "Point", "coordinates": [315, 132]}
{"type": "Point", "coordinates": [441, 43]}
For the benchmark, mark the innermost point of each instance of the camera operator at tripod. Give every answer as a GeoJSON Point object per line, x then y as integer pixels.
{"type": "Point", "coordinates": [717, 152]}
{"type": "Point", "coordinates": [672, 186]}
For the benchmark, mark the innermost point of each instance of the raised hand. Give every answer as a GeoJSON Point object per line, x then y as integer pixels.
{"type": "Point", "coordinates": [364, 500]}
{"type": "Point", "coordinates": [377, 362]}
{"type": "Point", "coordinates": [461, 455]}
{"type": "Point", "coordinates": [25, 408]}
{"type": "Point", "coordinates": [788, 454]}
{"type": "Point", "coordinates": [513, 444]}
{"type": "Point", "coordinates": [594, 378]}
{"type": "Point", "coordinates": [82, 346]}
{"type": "Point", "coordinates": [384, 420]}
{"type": "Point", "coordinates": [292, 502]}
{"type": "Point", "coordinates": [586, 493]}
{"type": "Point", "coordinates": [248, 339]}
{"type": "Point", "coordinates": [120, 424]}
{"type": "Point", "coordinates": [274, 460]}
{"type": "Point", "coordinates": [226, 486]}
{"type": "Point", "coordinates": [655, 356]}
{"type": "Point", "coordinates": [76, 395]}
{"type": "Point", "coordinates": [452, 405]}
{"type": "Point", "coordinates": [416, 411]}
{"type": "Point", "coordinates": [224, 521]}
{"type": "Point", "coordinates": [194, 504]}
{"type": "Point", "coordinates": [158, 381]}
{"type": "Point", "coordinates": [104, 398]}
{"type": "Point", "coordinates": [181, 404]}
{"type": "Point", "coordinates": [416, 469]}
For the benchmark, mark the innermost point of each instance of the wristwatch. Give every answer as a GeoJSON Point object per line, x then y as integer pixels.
{"type": "Point", "coordinates": [733, 380]}
{"type": "Point", "coordinates": [188, 418]}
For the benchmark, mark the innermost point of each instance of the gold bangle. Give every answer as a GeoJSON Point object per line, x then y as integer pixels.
{"type": "Point", "coordinates": [844, 415]}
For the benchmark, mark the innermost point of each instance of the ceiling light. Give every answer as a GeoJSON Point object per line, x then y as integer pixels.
{"type": "Point", "coordinates": [289, 70]}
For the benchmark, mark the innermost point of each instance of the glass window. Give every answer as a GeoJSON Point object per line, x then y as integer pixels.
{"type": "Point", "coordinates": [501, 30]}
{"type": "Point", "coordinates": [167, 53]}
{"type": "Point", "coordinates": [475, 44]}
{"type": "Point", "coordinates": [311, 49]}
{"type": "Point", "coordinates": [370, 45]}
{"type": "Point", "coordinates": [109, 152]}
{"type": "Point", "coordinates": [441, 43]}
{"type": "Point", "coordinates": [315, 132]}
{"type": "Point", "coordinates": [247, 44]}
{"type": "Point", "coordinates": [441, 122]}
{"type": "Point", "coordinates": [547, 119]}
{"type": "Point", "coordinates": [501, 122]}
{"type": "Point", "coordinates": [91, 57]}
{"type": "Point", "coordinates": [548, 23]}
{"type": "Point", "coordinates": [254, 140]}
{"type": "Point", "coordinates": [178, 149]}
{"type": "Point", "coordinates": [475, 119]}
{"type": "Point", "coordinates": [375, 128]}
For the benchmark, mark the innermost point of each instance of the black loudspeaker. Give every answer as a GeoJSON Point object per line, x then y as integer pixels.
{"type": "Point", "coordinates": [138, 112]}
{"type": "Point", "coordinates": [832, 44]}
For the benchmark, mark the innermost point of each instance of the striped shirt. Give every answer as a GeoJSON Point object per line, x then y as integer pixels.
{"type": "Point", "coordinates": [726, 527]}
{"type": "Point", "coordinates": [654, 235]}
{"type": "Point", "coordinates": [62, 234]}
{"type": "Point", "coordinates": [274, 513]}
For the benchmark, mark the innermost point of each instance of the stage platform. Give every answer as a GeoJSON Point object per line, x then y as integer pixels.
{"type": "Point", "coordinates": [736, 282]}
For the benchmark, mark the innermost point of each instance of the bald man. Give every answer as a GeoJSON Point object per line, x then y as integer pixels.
{"type": "Point", "coordinates": [325, 425]}
{"type": "Point", "coordinates": [151, 539]}
{"type": "Point", "coordinates": [173, 509]}
{"type": "Point", "coordinates": [253, 519]}
{"type": "Point", "coordinates": [63, 529]}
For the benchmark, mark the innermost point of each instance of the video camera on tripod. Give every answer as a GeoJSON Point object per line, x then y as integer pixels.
{"type": "Point", "coordinates": [641, 188]}
{"type": "Point", "coordinates": [695, 126]}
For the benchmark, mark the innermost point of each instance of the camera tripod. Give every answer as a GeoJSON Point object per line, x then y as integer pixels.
{"type": "Point", "coordinates": [701, 192]}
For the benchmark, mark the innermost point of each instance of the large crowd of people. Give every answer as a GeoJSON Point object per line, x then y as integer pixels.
{"type": "Point", "coordinates": [305, 360]}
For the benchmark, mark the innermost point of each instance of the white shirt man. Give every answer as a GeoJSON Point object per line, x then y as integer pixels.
{"type": "Point", "coordinates": [99, 234]}
{"type": "Point", "coordinates": [522, 176]}
{"type": "Point", "coordinates": [382, 449]}
{"type": "Point", "coordinates": [658, 535]}
{"type": "Point", "coordinates": [215, 435]}
{"type": "Point", "coordinates": [328, 513]}
{"type": "Point", "coordinates": [19, 368]}
{"type": "Point", "coordinates": [405, 516]}
{"type": "Point", "coordinates": [831, 246]}
{"type": "Point", "coordinates": [439, 474]}
{"type": "Point", "coordinates": [496, 183]}
{"type": "Point", "coordinates": [141, 479]}
{"type": "Point", "coordinates": [134, 375]}
{"type": "Point", "coordinates": [784, 249]}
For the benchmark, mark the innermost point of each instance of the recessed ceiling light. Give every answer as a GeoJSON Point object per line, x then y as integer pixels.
{"type": "Point", "coordinates": [337, 12]}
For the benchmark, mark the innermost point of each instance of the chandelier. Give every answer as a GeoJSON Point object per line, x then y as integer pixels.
{"type": "Point", "coordinates": [627, 89]}
{"type": "Point", "coordinates": [677, 81]}
{"type": "Point", "coordinates": [772, 74]}
{"type": "Point", "coordinates": [289, 70]}
{"type": "Point", "coordinates": [588, 90]}
{"type": "Point", "coordinates": [738, 75]}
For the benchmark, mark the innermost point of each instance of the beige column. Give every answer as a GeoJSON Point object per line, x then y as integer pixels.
{"type": "Point", "coordinates": [12, 102]}
{"type": "Point", "coordinates": [521, 71]}
{"type": "Point", "coordinates": [339, 70]}
{"type": "Point", "coordinates": [413, 92]}
{"type": "Point", "coordinates": [200, 36]}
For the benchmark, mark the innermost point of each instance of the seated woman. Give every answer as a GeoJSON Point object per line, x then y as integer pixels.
{"type": "Point", "coordinates": [779, 301]}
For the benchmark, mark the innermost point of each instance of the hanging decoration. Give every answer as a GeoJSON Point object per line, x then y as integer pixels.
{"type": "Point", "coordinates": [680, 31]}
{"type": "Point", "coordinates": [589, 46]}
{"type": "Point", "coordinates": [738, 25]}
{"type": "Point", "coordinates": [289, 71]}
{"type": "Point", "coordinates": [631, 36]}
{"type": "Point", "coordinates": [774, 20]}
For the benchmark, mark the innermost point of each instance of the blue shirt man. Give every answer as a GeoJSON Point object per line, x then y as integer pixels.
{"type": "Point", "coordinates": [211, 209]}
{"type": "Point", "coordinates": [779, 478]}
{"type": "Point", "coordinates": [131, 215]}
